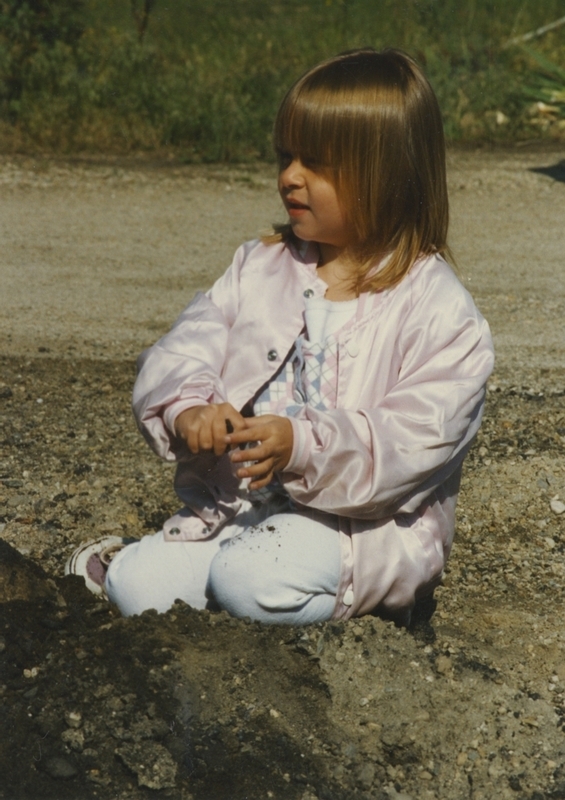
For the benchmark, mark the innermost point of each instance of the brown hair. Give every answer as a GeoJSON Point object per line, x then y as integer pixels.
{"type": "Point", "coordinates": [372, 122]}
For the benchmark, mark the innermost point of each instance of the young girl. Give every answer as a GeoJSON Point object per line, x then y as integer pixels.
{"type": "Point", "coordinates": [320, 398]}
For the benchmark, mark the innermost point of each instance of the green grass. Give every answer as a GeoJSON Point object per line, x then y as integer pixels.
{"type": "Point", "coordinates": [547, 84]}
{"type": "Point", "coordinates": [208, 77]}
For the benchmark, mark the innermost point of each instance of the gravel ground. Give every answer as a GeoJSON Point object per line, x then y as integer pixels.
{"type": "Point", "coordinates": [97, 260]}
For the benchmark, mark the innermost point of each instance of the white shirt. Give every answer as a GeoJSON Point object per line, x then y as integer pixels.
{"type": "Point", "coordinates": [324, 317]}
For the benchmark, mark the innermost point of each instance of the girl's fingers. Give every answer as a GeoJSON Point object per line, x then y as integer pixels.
{"type": "Point", "coordinates": [225, 422]}
{"type": "Point", "coordinates": [260, 474]}
{"type": "Point", "coordinates": [265, 476]}
{"type": "Point", "coordinates": [257, 469]}
{"type": "Point", "coordinates": [204, 427]}
{"type": "Point", "coordinates": [236, 422]}
{"type": "Point", "coordinates": [231, 426]}
{"type": "Point", "coordinates": [192, 440]}
{"type": "Point", "coordinates": [218, 431]}
{"type": "Point", "coordinates": [205, 438]}
{"type": "Point", "coordinates": [260, 434]}
{"type": "Point", "coordinates": [262, 483]}
{"type": "Point", "coordinates": [259, 453]}
{"type": "Point", "coordinates": [238, 437]}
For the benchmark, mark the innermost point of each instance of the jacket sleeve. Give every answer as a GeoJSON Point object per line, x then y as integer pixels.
{"type": "Point", "coordinates": [384, 460]}
{"type": "Point", "coordinates": [183, 369]}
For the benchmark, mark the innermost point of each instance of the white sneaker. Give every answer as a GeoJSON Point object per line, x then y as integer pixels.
{"type": "Point", "coordinates": [92, 559]}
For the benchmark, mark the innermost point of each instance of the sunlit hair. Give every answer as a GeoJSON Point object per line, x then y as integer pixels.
{"type": "Point", "coordinates": [371, 122]}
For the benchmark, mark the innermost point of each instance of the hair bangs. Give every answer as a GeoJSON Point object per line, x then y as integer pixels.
{"type": "Point", "coordinates": [303, 129]}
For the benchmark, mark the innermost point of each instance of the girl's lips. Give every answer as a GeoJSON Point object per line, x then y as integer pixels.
{"type": "Point", "coordinates": [296, 209]}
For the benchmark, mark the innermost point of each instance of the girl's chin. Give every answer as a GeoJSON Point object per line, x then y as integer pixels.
{"type": "Point", "coordinates": [299, 229]}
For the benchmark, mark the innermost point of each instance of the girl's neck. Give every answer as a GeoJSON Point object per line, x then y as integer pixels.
{"type": "Point", "coordinates": [338, 272]}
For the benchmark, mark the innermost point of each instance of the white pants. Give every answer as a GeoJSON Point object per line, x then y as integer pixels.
{"type": "Point", "coordinates": [278, 568]}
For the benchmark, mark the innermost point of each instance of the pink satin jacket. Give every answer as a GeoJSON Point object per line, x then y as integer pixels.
{"type": "Point", "coordinates": [412, 369]}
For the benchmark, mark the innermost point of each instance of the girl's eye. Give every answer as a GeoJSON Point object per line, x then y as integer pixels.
{"type": "Point", "coordinates": [311, 163]}
{"type": "Point", "coordinates": [284, 159]}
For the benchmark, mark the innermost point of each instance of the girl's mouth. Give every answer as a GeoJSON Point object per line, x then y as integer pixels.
{"type": "Point", "coordinates": [296, 209]}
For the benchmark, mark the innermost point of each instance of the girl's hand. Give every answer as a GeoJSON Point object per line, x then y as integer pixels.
{"type": "Point", "coordinates": [271, 454]}
{"type": "Point", "coordinates": [204, 428]}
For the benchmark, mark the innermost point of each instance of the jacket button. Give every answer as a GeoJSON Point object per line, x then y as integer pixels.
{"type": "Point", "coordinates": [308, 293]}
{"type": "Point", "coordinates": [272, 355]}
{"type": "Point", "coordinates": [352, 348]}
{"type": "Point", "coordinates": [348, 598]}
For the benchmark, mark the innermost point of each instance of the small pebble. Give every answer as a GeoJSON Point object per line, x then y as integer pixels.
{"type": "Point", "coordinates": [444, 665]}
{"type": "Point", "coordinates": [73, 719]}
{"type": "Point", "coordinates": [557, 506]}
{"type": "Point", "coordinates": [74, 739]}
{"type": "Point", "coordinates": [366, 775]}
{"type": "Point", "coordinates": [31, 673]}
{"type": "Point", "coordinates": [60, 768]}
{"type": "Point", "coordinates": [549, 542]}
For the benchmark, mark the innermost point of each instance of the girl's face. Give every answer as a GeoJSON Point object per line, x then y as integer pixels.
{"type": "Point", "coordinates": [312, 203]}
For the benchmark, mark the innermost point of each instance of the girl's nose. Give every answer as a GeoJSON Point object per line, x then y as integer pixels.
{"type": "Point", "coordinates": [292, 175]}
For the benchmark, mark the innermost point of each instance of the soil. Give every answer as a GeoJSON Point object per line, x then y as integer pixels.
{"type": "Point", "coordinates": [97, 260]}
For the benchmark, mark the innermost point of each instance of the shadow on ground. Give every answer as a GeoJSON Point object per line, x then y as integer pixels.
{"type": "Point", "coordinates": [555, 171]}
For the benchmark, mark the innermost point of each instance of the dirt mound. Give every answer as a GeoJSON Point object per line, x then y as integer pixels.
{"type": "Point", "coordinates": [186, 703]}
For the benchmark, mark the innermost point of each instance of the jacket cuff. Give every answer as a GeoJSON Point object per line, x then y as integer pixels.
{"type": "Point", "coordinates": [303, 442]}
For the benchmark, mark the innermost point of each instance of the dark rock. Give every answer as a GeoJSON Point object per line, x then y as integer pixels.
{"type": "Point", "coordinates": [20, 578]}
{"type": "Point", "coordinates": [151, 762]}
